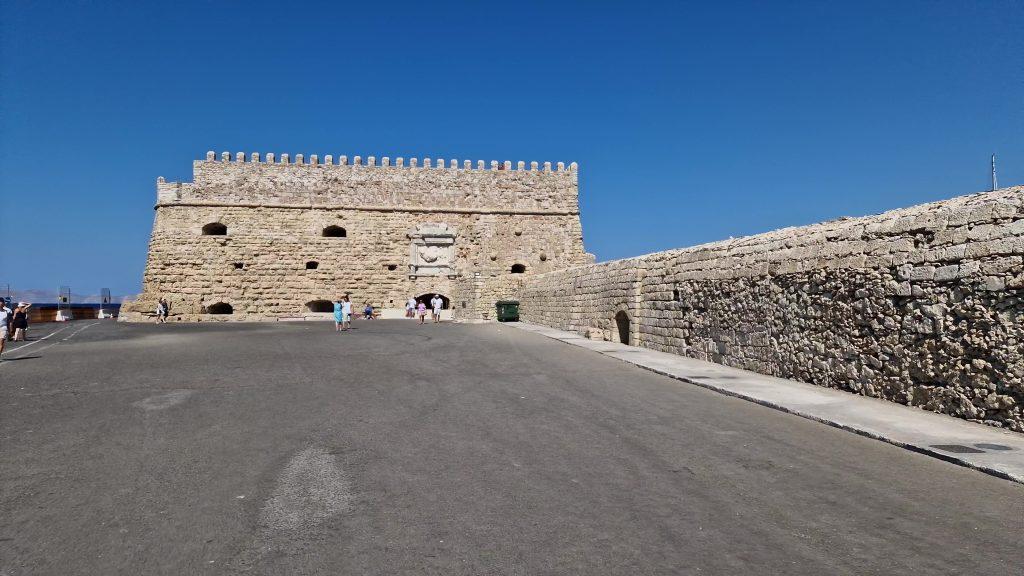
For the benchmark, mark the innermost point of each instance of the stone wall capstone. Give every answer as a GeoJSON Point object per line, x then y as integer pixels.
{"type": "Point", "coordinates": [923, 306]}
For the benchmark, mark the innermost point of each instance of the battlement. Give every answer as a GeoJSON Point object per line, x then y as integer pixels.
{"type": "Point", "coordinates": [343, 182]}
{"type": "Point", "coordinates": [385, 162]}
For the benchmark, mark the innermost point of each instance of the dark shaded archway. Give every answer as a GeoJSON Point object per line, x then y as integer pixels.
{"type": "Point", "coordinates": [215, 229]}
{"type": "Point", "coordinates": [519, 268]}
{"type": "Point", "coordinates": [220, 308]}
{"type": "Point", "coordinates": [320, 306]}
{"type": "Point", "coordinates": [425, 298]}
{"type": "Point", "coordinates": [334, 232]}
{"type": "Point", "coordinates": [622, 325]}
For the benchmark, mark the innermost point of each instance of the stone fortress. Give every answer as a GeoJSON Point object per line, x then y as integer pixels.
{"type": "Point", "coordinates": [923, 306]}
{"type": "Point", "coordinates": [281, 237]}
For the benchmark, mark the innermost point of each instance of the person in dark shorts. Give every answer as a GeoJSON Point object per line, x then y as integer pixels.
{"type": "Point", "coordinates": [20, 321]}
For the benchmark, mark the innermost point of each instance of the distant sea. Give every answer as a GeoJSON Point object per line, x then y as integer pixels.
{"type": "Point", "coordinates": [51, 296]}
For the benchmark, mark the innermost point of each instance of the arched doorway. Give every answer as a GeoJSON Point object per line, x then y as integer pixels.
{"type": "Point", "coordinates": [622, 325]}
{"type": "Point", "coordinates": [426, 298]}
{"type": "Point", "coordinates": [220, 308]}
{"type": "Point", "coordinates": [320, 306]}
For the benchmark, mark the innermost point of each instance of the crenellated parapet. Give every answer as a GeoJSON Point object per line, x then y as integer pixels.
{"type": "Point", "coordinates": [385, 162]}
{"type": "Point", "coordinates": [376, 183]}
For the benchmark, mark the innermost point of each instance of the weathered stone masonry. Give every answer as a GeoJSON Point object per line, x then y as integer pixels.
{"type": "Point", "coordinates": [921, 306]}
{"type": "Point", "coordinates": [279, 237]}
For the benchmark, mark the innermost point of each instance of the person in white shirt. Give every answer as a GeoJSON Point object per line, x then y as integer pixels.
{"type": "Point", "coordinates": [346, 314]}
{"type": "Point", "coordinates": [5, 323]}
{"type": "Point", "coordinates": [436, 303]}
{"type": "Point", "coordinates": [410, 308]}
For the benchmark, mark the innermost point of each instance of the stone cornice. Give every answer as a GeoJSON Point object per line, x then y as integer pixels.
{"type": "Point", "coordinates": [368, 208]}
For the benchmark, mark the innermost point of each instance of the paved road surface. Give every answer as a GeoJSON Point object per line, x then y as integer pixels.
{"type": "Point", "coordinates": [449, 449]}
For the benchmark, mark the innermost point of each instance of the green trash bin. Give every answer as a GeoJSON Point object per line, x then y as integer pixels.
{"type": "Point", "coordinates": [508, 310]}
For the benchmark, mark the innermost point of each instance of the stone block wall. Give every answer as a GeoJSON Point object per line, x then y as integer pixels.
{"type": "Point", "coordinates": [922, 306]}
{"type": "Point", "coordinates": [273, 212]}
{"type": "Point", "coordinates": [424, 185]}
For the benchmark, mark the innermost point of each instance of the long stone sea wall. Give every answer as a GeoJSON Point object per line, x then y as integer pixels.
{"type": "Point", "coordinates": [923, 306]}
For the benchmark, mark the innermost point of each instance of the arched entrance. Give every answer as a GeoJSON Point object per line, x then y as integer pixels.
{"type": "Point", "coordinates": [426, 298]}
{"type": "Point", "coordinates": [622, 325]}
{"type": "Point", "coordinates": [320, 306]}
{"type": "Point", "coordinates": [220, 308]}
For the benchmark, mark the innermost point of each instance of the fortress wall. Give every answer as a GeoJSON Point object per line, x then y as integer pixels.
{"type": "Point", "coordinates": [922, 306]}
{"type": "Point", "coordinates": [276, 209]}
{"type": "Point", "coordinates": [429, 185]}
{"type": "Point", "coordinates": [274, 244]}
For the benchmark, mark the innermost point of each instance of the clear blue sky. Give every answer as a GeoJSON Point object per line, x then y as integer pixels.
{"type": "Point", "coordinates": [690, 122]}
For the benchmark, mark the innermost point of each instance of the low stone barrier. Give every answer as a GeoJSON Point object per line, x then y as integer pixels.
{"type": "Point", "coordinates": [921, 305]}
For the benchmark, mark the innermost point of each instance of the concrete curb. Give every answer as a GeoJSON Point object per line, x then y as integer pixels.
{"type": "Point", "coordinates": [903, 426]}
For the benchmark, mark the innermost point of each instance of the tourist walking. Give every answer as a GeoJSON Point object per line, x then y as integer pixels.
{"type": "Point", "coordinates": [410, 308]}
{"type": "Point", "coordinates": [167, 309]}
{"type": "Point", "coordinates": [20, 321]}
{"type": "Point", "coordinates": [5, 324]}
{"type": "Point", "coordinates": [436, 303]}
{"type": "Point", "coordinates": [339, 316]}
{"type": "Point", "coordinates": [346, 314]}
{"type": "Point", "coordinates": [421, 310]}
{"type": "Point", "coordinates": [368, 312]}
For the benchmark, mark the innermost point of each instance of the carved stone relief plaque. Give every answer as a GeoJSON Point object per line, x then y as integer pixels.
{"type": "Point", "coordinates": [432, 250]}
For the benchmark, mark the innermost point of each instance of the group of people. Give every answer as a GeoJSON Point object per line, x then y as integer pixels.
{"type": "Point", "coordinates": [418, 308]}
{"type": "Point", "coordinates": [13, 323]}
{"type": "Point", "coordinates": [343, 314]}
{"type": "Point", "coordinates": [414, 308]}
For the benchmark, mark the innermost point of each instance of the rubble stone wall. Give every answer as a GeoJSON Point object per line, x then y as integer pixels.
{"type": "Point", "coordinates": [276, 210]}
{"type": "Point", "coordinates": [922, 306]}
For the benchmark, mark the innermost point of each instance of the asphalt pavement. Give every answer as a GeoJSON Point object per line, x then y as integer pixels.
{"type": "Point", "coordinates": [396, 448]}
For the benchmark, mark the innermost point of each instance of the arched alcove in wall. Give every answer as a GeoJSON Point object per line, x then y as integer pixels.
{"type": "Point", "coordinates": [320, 306]}
{"type": "Point", "coordinates": [334, 232]}
{"type": "Point", "coordinates": [220, 308]}
{"type": "Point", "coordinates": [215, 229]}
